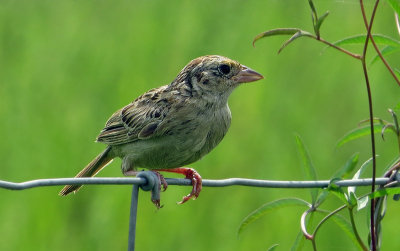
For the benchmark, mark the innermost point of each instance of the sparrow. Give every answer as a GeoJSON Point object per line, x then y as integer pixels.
{"type": "Point", "coordinates": [174, 125]}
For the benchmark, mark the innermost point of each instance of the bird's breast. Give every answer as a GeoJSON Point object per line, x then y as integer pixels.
{"type": "Point", "coordinates": [188, 140]}
{"type": "Point", "coordinates": [214, 126]}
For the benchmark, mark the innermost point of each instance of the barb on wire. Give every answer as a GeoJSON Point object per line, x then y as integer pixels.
{"type": "Point", "coordinates": [186, 182]}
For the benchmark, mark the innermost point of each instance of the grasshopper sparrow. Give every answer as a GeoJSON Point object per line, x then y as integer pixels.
{"type": "Point", "coordinates": [173, 125]}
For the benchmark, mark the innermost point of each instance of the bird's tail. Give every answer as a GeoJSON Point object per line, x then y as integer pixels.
{"type": "Point", "coordinates": [90, 170]}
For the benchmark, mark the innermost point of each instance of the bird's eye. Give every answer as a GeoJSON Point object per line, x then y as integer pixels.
{"type": "Point", "coordinates": [225, 69]}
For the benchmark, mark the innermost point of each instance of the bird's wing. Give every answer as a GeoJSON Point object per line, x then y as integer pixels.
{"type": "Point", "coordinates": [138, 120]}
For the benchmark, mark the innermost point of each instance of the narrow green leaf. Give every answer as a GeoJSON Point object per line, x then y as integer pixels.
{"type": "Point", "coordinates": [313, 9]}
{"type": "Point", "coordinates": [307, 166]}
{"type": "Point", "coordinates": [321, 20]}
{"type": "Point", "coordinates": [395, 4]}
{"type": "Point", "coordinates": [273, 247]}
{"type": "Point", "coordinates": [314, 15]}
{"type": "Point", "coordinates": [391, 127]}
{"type": "Point", "coordinates": [376, 121]}
{"type": "Point", "coordinates": [384, 192]}
{"type": "Point", "coordinates": [281, 31]}
{"type": "Point", "coordinates": [348, 167]}
{"type": "Point", "coordinates": [360, 39]}
{"type": "Point", "coordinates": [358, 174]}
{"type": "Point", "coordinates": [275, 32]}
{"type": "Point", "coordinates": [386, 51]}
{"type": "Point", "coordinates": [345, 225]}
{"type": "Point", "coordinates": [299, 242]}
{"type": "Point", "coordinates": [395, 121]}
{"type": "Point", "coordinates": [291, 39]}
{"type": "Point", "coordinates": [358, 133]}
{"type": "Point", "coordinates": [339, 193]}
{"type": "Point", "coordinates": [281, 203]}
{"type": "Point", "coordinates": [321, 197]}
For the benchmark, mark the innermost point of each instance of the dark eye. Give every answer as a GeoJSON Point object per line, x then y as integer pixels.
{"type": "Point", "coordinates": [225, 69]}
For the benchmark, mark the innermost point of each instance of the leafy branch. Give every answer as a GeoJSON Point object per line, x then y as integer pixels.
{"type": "Point", "coordinates": [349, 197]}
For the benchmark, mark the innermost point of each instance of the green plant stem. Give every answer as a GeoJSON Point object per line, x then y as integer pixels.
{"type": "Point", "coordinates": [369, 27]}
{"type": "Point", "coordinates": [304, 227]}
{"type": "Point", "coordinates": [314, 244]}
{"type": "Point", "coordinates": [353, 225]}
{"type": "Point", "coordinates": [376, 46]}
{"type": "Point", "coordinates": [327, 217]}
{"type": "Point", "coordinates": [303, 223]}
{"type": "Point", "coordinates": [356, 56]}
{"type": "Point", "coordinates": [384, 61]}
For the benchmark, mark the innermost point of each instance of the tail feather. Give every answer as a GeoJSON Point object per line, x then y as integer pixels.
{"type": "Point", "coordinates": [90, 170]}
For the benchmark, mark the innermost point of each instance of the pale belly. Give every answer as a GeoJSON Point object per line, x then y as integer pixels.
{"type": "Point", "coordinates": [184, 146]}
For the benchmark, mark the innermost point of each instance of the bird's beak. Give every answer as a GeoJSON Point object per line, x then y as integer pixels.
{"type": "Point", "coordinates": [248, 75]}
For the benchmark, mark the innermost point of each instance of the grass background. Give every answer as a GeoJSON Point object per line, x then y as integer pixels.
{"type": "Point", "coordinates": [66, 66]}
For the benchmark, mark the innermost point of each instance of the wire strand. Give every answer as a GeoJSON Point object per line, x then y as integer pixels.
{"type": "Point", "coordinates": [186, 182]}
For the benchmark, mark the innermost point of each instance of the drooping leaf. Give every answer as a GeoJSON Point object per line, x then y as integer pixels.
{"type": "Point", "coordinates": [357, 175]}
{"type": "Point", "coordinates": [276, 32]}
{"type": "Point", "coordinates": [391, 127]}
{"type": "Point", "coordinates": [307, 165]}
{"type": "Point", "coordinates": [273, 247]}
{"type": "Point", "coordinates": [376, 121]}
{"type": "Point", "coordinates": [395, 121]}
{"type": "Point", "coordinates": [358, 133]}
{"type": "Point", "coordinates": [277, 204]}
{"type": "Point", "coordinates": [291, 39]}
{"type": "Point", "coordinates": [386, 51]}
{"type": "Point", "coordinates": [281, 31]}
{"type": "Point", "coordinates": [360, 39]}
{"type": "Point", "coordinates": [348, 167]}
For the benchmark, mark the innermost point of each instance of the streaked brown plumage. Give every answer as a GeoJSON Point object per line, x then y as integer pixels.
{"type": "Point", "coordinates": [173, 125]}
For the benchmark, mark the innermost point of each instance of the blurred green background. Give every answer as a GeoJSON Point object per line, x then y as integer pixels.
{"type": "Point", "coordinates": [66, 66]}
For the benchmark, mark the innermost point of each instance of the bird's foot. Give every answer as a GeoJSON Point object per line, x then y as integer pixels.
{"type": "Point", "coordinates": [164, 184]}
{"type": "Point", "coordinates": [161, 178]}
{"type": "Point", "coordinates": [191, 174]}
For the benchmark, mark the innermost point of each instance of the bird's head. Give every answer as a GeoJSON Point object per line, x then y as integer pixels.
{"type": "Point", "coordinates": [216, 75]}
